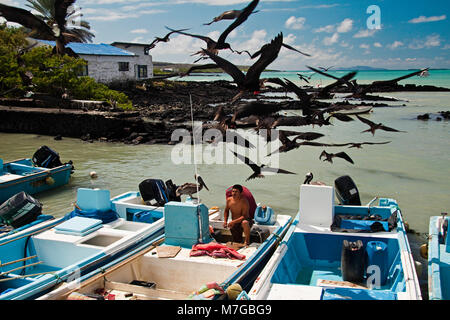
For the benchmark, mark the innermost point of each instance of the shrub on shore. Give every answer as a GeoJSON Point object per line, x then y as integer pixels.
{"type": "Point", "coordinates": [47, 73]}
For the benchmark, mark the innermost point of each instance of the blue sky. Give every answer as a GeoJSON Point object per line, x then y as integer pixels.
{"type": "Point", "coordinates": [412, 34]}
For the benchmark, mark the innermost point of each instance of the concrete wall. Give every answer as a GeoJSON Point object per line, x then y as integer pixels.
{"type": "Point", "coordinates": [106, 68]}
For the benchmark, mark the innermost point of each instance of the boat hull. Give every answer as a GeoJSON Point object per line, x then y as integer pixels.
{"type": "Point", "coordinates": [20, 176]}
{"type": "Point", "coordinates": [309, 264]}
{"type": "Point", "coordinates": [178, 276]}
{"type": "Point", "coordinates": [438, 261]}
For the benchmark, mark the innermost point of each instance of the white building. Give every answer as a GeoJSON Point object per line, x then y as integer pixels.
{"type": "Point", "coordinates": [108, 63]}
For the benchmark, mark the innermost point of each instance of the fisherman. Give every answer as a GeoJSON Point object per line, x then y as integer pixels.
{"type": "Point", "coordinates": [240, 219]}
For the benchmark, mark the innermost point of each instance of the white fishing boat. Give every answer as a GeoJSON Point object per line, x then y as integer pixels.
{"type": "Point", "coordinates": [342, 252]}
{"type": "Point", "coordinates": [43, 256]}
{"type": "Point", "coordinates": [196, 252]}
{"type": "Point", "coordinates": [439, 258]}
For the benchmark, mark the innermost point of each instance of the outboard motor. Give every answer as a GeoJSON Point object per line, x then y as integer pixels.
{"type": "Point", "coordinates": [346, 191]}
{"type": "Point", "coordinates": [20, 210]}
{"type": "Point", "coordinates": [171, 191]}
{"type": "Point", "coordinates": [154, 192]}
{"type": "Point", "coordinates": [46, 157]}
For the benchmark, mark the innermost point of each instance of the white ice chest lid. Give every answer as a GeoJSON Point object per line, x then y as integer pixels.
{"type": "Point", "coordinates": [79, 226]}
{"type": "Point", "coordinates": [316, 205]}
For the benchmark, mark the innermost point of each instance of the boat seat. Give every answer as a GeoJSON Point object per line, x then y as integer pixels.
{"type": "Point", "coordinates": [316, 206]}
{"type": "Point", "coordinates": [93, 199]}
{"type": "Point", "coordinates": [79, 226]}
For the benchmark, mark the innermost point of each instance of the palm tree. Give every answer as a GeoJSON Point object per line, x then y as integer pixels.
{"type": "Point", "coordinates": [51, 22]}
{"type": "Point", "coordinates": [60, 13]}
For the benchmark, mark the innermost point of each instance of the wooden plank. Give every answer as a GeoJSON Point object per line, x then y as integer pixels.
{"type": "Point", "coordinates": [147, 292]}
{"type": "Point", "coordinates": [167, 251]}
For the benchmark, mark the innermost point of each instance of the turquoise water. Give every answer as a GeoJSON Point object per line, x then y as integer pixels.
{"type": "Point", "coordinates": [440, 78]}
{"type": "Point", "coordinates": [413, 168]}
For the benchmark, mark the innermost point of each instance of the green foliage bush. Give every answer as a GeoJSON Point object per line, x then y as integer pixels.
{"type": "Point", "coordinates": [52, 74]}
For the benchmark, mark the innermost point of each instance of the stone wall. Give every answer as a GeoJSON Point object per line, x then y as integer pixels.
{"type": "Point", "coordinates": [87, 125]}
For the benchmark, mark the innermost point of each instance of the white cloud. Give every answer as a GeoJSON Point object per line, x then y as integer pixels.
{"type": "Point", "coordinates": [113, 15]}
{"type": "Point", "coordinates": [295, 23]}
{"type": "Point", "coordinates": [140, 31]}
{"type": "Point", "coordinates": [345, 26]}
{"type": "Point", "coordinates": [431, 41]}
{"type": "Point", "coordinates": [364, 33]}
{"type": "Point", "coordinates": [329, 29]}
{"type": "Point", "coordinates": [364, 46]}
{"type": "Point", "coordinates": [423, 19]}
{"type": "Point", "coordinates": [377, 45]}
{"type": "Point", "coordinates": [328, 41]}
{"type": "Point", "coordinates": [396, 44]}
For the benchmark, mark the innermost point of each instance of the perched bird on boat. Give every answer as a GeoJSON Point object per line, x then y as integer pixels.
{"type": "Point", "coordinates": [163, 39]}
{"type": "Point", "coordinates": [329, 156]}
{"type": "Point", "coordinates": [228, 15]}
{"type": "Point", "coordinates": [308, 180]}
{"type": "Point", "coordinates": [250, 81]}
{"type": "Point", "coordinates": [258, 170]}
{"type": "Point", "coordinates": [191, 188]}
{"type": "Point", "coordinates": [374, 126]}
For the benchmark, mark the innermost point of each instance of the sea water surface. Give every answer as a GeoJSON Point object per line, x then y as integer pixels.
{"type": "Point", "coordinates": [413, 168]}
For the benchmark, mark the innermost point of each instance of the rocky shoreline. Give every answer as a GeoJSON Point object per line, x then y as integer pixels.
{"type": "Point", "coordinates": [160, 107]}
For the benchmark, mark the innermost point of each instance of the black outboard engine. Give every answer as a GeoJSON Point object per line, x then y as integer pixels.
{"type": "Point", "coordinates": [171, 191]}
{"type": "Point", "coordinates": [20, 210]}
{"type": "Point", "coordinates": [46, 157]}
{"type": "Point", "coordinates": [155, 192]}
{"type": "Point", "coordinates": [346, 191]}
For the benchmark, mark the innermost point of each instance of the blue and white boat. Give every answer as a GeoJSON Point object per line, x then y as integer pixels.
{"type": "Point", "coordinates": [348, 252]}
{"type": "Point", "coordinates": [167, 268]}
{"type": "Point", "coordinates": [42, 256]}
{"type": "Point", "coordinates": [439, 259]}
{"type": "Point", "coordinates": [23, 175]}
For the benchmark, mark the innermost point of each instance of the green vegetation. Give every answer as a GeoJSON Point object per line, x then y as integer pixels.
{"type": "Point", "coordinates": [51, 74]}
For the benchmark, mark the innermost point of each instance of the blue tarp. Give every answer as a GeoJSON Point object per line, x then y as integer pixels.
{"type": "Point", "coordinates": [105, 216]}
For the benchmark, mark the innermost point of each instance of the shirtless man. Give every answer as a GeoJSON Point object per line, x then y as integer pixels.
{"type": "Point", "coordinates": [240, 220]}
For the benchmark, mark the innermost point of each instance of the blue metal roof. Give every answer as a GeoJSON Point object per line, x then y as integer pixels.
{"type": "Point", "coordinates": [94, 48]}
